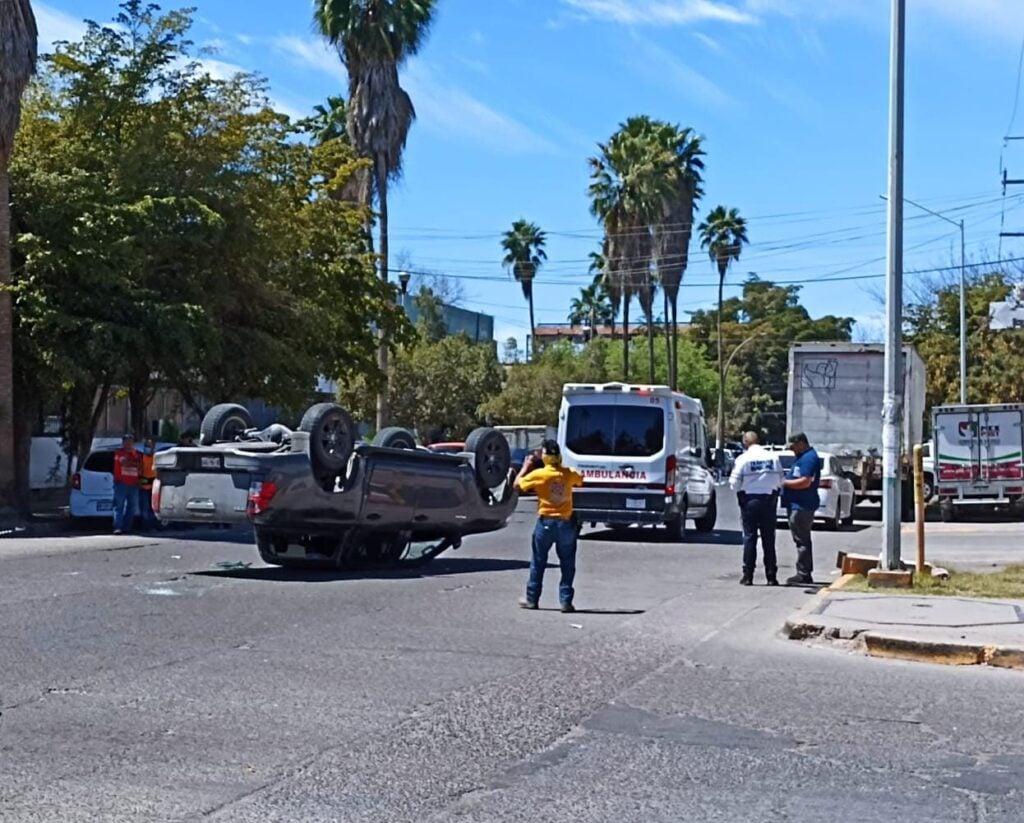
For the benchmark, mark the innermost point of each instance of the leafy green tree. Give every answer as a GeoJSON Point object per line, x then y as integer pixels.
{"type": "Point", "coordinates": [174, 233]}
{"type": "Point", "coordinates": [532, 392]}
{"type": "Point", "coordinates": [374, 38]}
{"type": "Point", "coordinates": [757, 330]}
{"type": "Point", "coordinates": [723, 234]}
{"type": "Point", "coordinates": [995, 359]}
{"type": "Point", "coordinates": [18, 44]}
{"type": "Point", "coordinates": [438, 381]}
{"type": "Point", "coordinates": [523, 245]}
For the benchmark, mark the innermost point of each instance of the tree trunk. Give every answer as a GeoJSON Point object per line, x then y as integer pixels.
{"type": "Point", "coordinates": [26, 407]}
{"type": "Point", "coordinates": [667, 324]}
{"type": "Point", "coordinates": [719, 436]}
{"type": "Point", "coordinates": [382, 352]}
{"type": "Point", "coordinates": [7, 477]}
{"type": "Point", "coordinates": [625, 341]}
{"type": "Point", "coordinates": [533, 327]}
{"type": "Point", "coordinates": [650, 345]}
{"type": "Point", "coordinates": [674, 343]}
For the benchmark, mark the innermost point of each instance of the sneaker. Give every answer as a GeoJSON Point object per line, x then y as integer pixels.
{"type": "Point", "coordinates": [527, 604]}
{"type": "Point", "coordinates": [771, 580]}
{"type": "Point", "coordinates": [568, 608]}
{"type": "Point", "coordinates": [747, 580]}
{"type": "Point", "coordinates": [799, 580]}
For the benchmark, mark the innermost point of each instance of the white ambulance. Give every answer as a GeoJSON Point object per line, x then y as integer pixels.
{"type": "Point", "coordinates": [978, 458]}
{"type": "Point", "coordinates": [643, 454]}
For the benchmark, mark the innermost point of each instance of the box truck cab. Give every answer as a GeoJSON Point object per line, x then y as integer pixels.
{"type": "Point", "coordinates": [643, 454]}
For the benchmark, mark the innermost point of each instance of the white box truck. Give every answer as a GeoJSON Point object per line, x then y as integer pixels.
{"type": "Point", "coordinates": [835, 397]}
{"type": "Point", "coordinates": [978, 457]}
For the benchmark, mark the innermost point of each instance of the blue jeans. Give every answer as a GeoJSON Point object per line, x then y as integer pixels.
{"type": "Point", "coordinates": [126, 506]}
{"type": "Point", "coordinates": [146, 513]}
{"type": "Point", "coordinates": [561, 534]}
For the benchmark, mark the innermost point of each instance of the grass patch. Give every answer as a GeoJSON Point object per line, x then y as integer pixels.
{"type": "Point", "coordinates": [1007, 584]}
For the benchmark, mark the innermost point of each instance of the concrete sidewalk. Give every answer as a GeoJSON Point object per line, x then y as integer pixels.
{"type": "Point", "coordinates": [951, 630]}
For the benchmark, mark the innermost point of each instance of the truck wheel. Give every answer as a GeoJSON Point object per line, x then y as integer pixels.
{"type": "Point", "coordinates": [929, 488]}
{"type": "Point", "coordinates": [331, 437]}
{"type": "Point", "coordinates": [225, 422]}
{"type": "Point", "coordinates": [394, 437]}
{"type": "Point", "coordinates": [706, 523]}
{"type": "Point", "coordinates": [492, 457]}
{"type": "Point", "coordinates": [677, 525]}
{"type": "Point", "coordinates": [947, 512]}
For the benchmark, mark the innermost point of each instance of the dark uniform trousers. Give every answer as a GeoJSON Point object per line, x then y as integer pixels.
{"type": "Point", "coordinates": [758, 513]}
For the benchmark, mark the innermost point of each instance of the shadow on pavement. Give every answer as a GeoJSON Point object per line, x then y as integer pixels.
{"type": "Point", "coordinates": [454, 565]}
{"type": "Point", "coordinates": [719, 537]}
{"type": "Point", "coordinates": [593, 611]}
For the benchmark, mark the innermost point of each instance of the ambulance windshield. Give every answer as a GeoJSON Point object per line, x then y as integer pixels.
{"type": "Point", "coordinates": [615, 431]}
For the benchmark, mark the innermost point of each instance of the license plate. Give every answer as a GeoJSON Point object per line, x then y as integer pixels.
{"type": "Point", "coordinates": [105, 506]}
{"type": "Point", "coordinates": [210, 463]}
{"type": "Point", "coordinates": [635, 503]}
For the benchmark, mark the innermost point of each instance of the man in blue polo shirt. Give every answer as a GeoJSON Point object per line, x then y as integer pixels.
{"type": "Point", "coordinates": [800, 497]}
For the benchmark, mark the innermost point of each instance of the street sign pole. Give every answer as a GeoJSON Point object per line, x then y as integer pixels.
{"type": "Point", "coordinates": [892, 404]}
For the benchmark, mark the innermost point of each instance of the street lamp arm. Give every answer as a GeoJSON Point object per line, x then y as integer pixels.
{"type": "Point", "coordinates": [736, 351]}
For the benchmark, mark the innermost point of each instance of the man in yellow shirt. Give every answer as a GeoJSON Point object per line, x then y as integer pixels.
{"type": "Point", "coordinates": [545, 475]}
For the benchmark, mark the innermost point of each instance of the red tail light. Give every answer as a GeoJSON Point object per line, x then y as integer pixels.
{"type": "Point", "coordinates": [825, 484]}
{"type": "Point", "coordinates": [260, 495]}
{"type": "Point", "coordinates": [670, 475]}
{"type": "Point", "coordinates": [155, 497]}
{"type": "Point", "coordinates": [76, 482]}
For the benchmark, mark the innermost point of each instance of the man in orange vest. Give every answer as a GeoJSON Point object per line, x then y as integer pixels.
{"type": "Point", "coordinates": [127, 470]}
{"type": "Point", "coordinates": [146, 478]}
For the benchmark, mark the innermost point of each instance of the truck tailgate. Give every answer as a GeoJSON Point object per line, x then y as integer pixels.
{"type": "Point", "coordinates": [195, 486]}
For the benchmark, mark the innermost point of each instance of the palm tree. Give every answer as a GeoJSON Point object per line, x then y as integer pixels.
{"type": "Point", "coordinates": [629, 182]}
{"type": "Point", "coordinates": [599, 269]}
{"type": "Point", "coordinates": [523, 245]}
{"type": "Point", "coordinates": [328, 122]}
{"type": "Point", "coordinates": [18, 50]}
{"type": "Point", "coordinates": [723, 234]}
{"type": "Point", "coordinates": [592, 307]}
{"type": "Point", "coordinates": [672, 234]}
{"type": "Point", "coordinates": [374, 38]}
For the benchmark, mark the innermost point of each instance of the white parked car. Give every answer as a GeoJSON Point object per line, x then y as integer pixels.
{"type": "Point", "coordinates": [835, 492]}
{"type": "Point", "coordinates": [92, 486]}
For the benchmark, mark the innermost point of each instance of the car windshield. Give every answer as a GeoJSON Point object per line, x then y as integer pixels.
{"type": "Point", "coordinates": [99, 462]}
{"type": "Point", "coordinates": [617, 431]}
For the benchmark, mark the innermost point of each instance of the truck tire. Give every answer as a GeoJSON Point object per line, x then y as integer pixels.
{"type": "Point", "coordinates": [394, 437]}
{"type": "Point", "coordinates": [677, 525]}
{"type": "Point", "coordinates": [492, 457]}
{"type": "Point", "coordinates": [225, 422]}
{"type": "Point", "coordinates": [929, 488]}
{"type": "Point", "coordinates": [706, 523]}
{"type": "Point", "coordinates": [947, 512]}
{"type": "Point", "coordinates": [331, 437]}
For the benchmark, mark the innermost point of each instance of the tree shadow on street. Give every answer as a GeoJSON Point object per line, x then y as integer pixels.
{"type": "Point", "coordinates": [313, 574]}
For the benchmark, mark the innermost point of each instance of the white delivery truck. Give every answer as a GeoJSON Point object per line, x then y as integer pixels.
{"type": "Point", "coordinates": [643, 454]}
{"type": "Point", "coordinates": [835, 397]}
{"type": "Point", "coordinates": [977, 454]}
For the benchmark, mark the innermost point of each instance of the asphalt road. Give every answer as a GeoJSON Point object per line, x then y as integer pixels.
{"type": "Point", "coordinates": [138, 682]}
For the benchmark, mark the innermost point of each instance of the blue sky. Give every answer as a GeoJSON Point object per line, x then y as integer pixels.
{"type": "Point", "coordinates": [790, 95]}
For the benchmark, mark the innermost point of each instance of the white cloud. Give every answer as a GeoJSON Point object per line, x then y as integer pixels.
{"type": "Point", "coordinates": [869, 327]}
{"type": "Point", "coordinates": [710, 42]}
{"type": "Point", "coordinates": [55, 25]}
{"type": "Point", "coordinates": [442, 107]}
{"type": "Point", "coordinates": [661, 12]}
{"type": "Point", "coordinates": [662, 66]}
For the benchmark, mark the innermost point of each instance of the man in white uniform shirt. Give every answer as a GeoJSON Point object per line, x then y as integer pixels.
{"type": "Point", "coordinates": [756, 479]}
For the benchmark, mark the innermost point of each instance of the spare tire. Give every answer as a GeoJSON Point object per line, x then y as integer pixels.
{"type": "Point", "coordinates": [224, 422]}
{"type": "Point", "coordinates": [492, 456]}
{"type": "Point", "coordinates": [332, 436]}
{"type": "Point", "coordinates": [394, 437]}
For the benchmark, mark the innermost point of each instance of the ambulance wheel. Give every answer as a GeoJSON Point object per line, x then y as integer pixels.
{"type": "Point", "coordinates": [677, 525]}
{"type": "Point", "coordinates": [706, 523]}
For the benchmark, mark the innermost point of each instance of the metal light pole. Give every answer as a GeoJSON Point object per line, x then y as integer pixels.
{"type": "Point", "coordinates": [892, 405]}
{"type": "Point", "coordinates": [963, 301]}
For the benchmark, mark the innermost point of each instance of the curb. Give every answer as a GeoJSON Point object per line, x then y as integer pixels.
{"type": "Point", "coordinates": [802, 626]}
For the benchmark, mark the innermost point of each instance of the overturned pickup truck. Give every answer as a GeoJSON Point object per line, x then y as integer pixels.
{"type": "Point", "coordinates": [316, 497]}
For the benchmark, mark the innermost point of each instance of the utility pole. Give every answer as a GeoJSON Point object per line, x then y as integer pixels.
{"type": "Point", "coordinates": [892, 405]}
